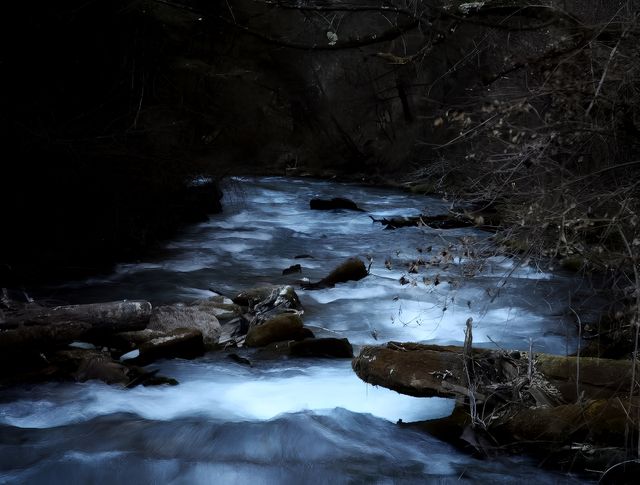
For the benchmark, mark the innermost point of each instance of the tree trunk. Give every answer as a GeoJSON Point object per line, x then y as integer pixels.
{"type": "Point", "coordinates": [37, 327]}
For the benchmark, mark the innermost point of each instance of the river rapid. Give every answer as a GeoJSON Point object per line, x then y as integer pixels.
{"type": "Point", "coordinates": [291, 421]}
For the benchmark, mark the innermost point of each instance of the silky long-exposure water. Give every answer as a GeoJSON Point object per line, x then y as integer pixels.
{"type": "Point", "coordinates": [296, 420]}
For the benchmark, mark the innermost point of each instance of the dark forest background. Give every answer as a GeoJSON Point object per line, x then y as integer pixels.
{"type": "Point", "coordinates": [111, 108]}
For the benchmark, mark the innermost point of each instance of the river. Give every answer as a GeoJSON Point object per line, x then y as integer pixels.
{"type": "Point", "coordinates": [291, 421]}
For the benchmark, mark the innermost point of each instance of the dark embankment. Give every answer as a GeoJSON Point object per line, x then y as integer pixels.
{"type": "Point", "coordinates": [101, 137]}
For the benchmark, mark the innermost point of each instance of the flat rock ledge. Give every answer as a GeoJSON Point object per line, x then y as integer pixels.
{"type": "Point", "coordinates": [573, 413]}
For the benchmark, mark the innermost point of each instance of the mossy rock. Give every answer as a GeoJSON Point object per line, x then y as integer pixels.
{"type": "Point", "coordinates": [285, 326]}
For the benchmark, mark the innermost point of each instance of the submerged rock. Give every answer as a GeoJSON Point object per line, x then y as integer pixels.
{"type": "Point", "coordinates": [295, 268]}
{"type": "Point", "coordinates": [333, 204]}
{"type": "Point", "coordinates": [239, 359]}
{"type": "Point", "coordinates": [353, 269]}
{"type": "Point", "coordinates": [322, 347]}
{"type": "Point", "coordinates": [172, 317]}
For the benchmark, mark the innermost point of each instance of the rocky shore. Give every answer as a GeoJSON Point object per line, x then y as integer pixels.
{"type": "Point", "coordinates": [112, 341]}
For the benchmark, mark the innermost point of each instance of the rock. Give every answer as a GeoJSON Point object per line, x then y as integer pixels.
{"type": "Point", "coordinates": [125, 341]}
{"type": "Point", "coordinates": [286, 326]}
{"type": "Point", "coordinates": [240, 360]}
{"type": "Point", "coordinates": [186, 343]}
{"type": "Point", "coordinates": [322, 347]}
{"type": "Point", "coordinates": [103, 368]}
{"type": "Point", "coordinates": [269, 296]}
{"type": "Point", "coordinates": [172, 317]}
{"type": "Point", "coordinates": [333, 204]}
{"type": "Point", "coordinates": [146, 378]}
{"type": "Point", "coordinates": [160, 381]}
{"type": "Point", "coordinates": [296, 268]}
{"type": "Point", "coordinates": [233, 332]}
{"type": "Point", "coordinates": [265, 302]}
{"type": "Point", "coordinates": [273, 351]}
{"type": "Point", "coordinates": [220, 307]}
{"type": "Point", "coordinates": [352, 269]}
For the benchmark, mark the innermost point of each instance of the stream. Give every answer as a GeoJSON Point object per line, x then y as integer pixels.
{"type": "Point", "coordinates": [298, 420]}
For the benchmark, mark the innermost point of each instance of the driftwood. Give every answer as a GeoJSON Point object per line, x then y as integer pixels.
{"type": "Point", "coordinates": [432, 370]}
{"type": "Point", "coordinates": [444, 221]}
{"type": "Point", "coordinates": [37, 327]}
{"type": "Point", "coordinates": [511, 401]}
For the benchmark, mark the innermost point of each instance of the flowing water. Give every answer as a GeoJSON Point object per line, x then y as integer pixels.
{"type": "Point", "coordinates": [291, 421]}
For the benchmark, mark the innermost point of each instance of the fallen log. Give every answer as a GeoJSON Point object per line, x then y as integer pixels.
{"type": "Point", "coordinates": [443, 221]}
{"type": "Point", "coordinates": [574, 412]}
{"type": "Point", "coordinates": [41, 327]}
{"type": "Point", "coordinates": [432, 370]}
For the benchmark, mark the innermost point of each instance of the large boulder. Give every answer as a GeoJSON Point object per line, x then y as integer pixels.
{"type": "Point", "coordinates": [285, 326]}
{"type": "Point", "coordinates": [173, 317]}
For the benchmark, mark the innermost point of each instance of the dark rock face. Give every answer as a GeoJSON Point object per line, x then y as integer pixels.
{"type": "Point", "coordinates": [322, 347]}
{"type": "Point", "coordinates": [334, 204]}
